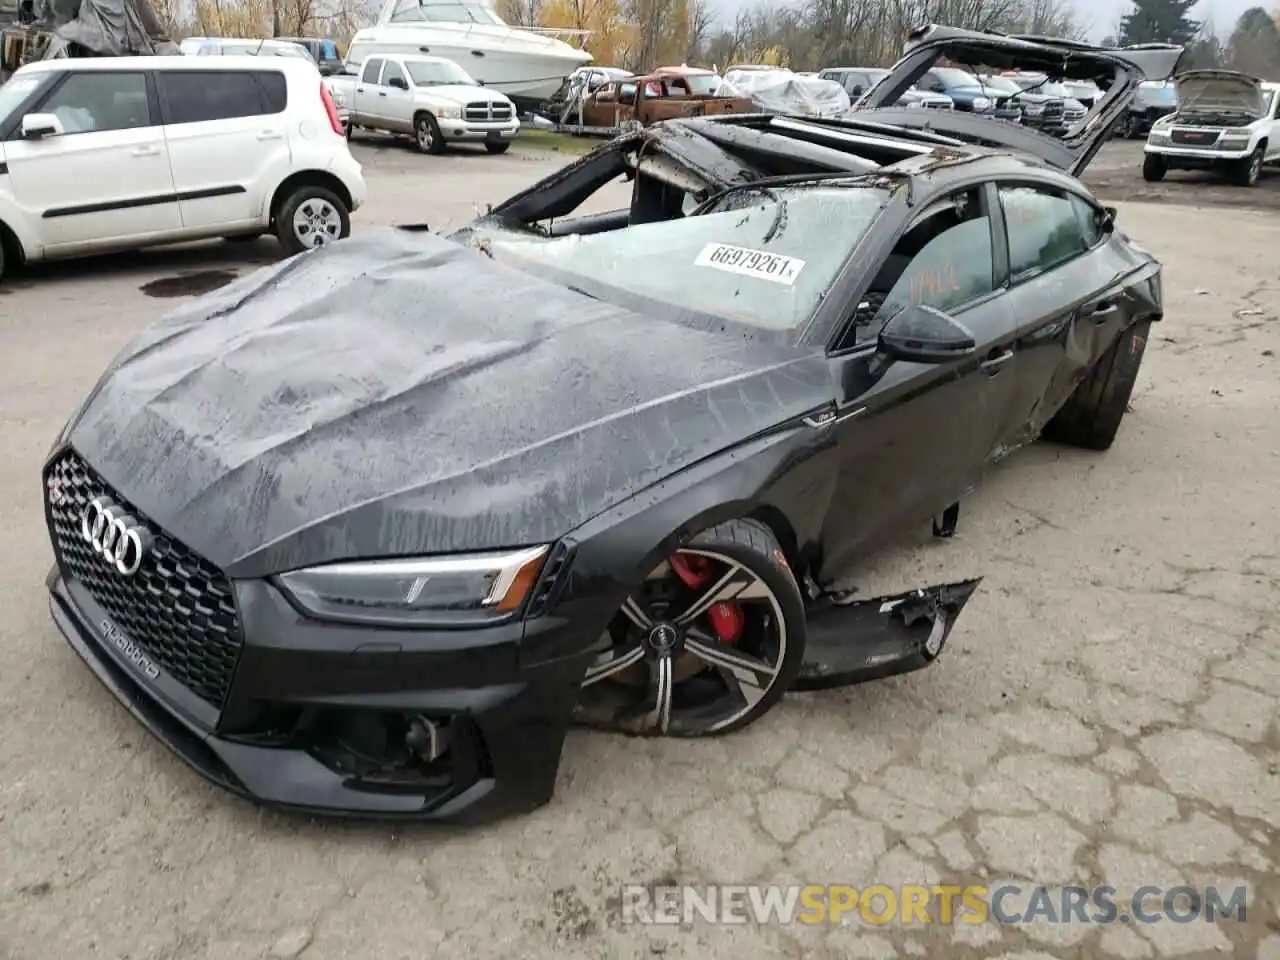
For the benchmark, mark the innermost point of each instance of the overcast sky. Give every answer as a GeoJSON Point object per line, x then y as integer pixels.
{"type": "Point", "coordinates": [1102, 15]}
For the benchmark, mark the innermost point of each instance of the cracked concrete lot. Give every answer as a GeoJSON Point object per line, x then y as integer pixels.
{"type": "Point", "coordinates": [1106, 712]}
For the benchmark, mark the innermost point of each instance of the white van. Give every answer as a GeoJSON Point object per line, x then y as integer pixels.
{"type": "Point", "coordinates": [114, 153]}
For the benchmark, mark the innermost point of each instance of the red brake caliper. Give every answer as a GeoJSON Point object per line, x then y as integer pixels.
{"type": "Point", "coordinates": [726, 618]}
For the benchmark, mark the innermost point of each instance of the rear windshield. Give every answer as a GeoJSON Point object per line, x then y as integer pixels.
{"type": "Point", "coordinates": [763, 257]}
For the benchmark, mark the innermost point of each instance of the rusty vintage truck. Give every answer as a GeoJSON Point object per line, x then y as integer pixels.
{"type": "Point", "coordinates": [665, 93]}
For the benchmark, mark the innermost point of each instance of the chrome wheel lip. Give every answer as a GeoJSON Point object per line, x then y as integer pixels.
{"type": "Point", "coordinates": [701, 646]}
{"type": "Point", "coordinates": [317, 222]}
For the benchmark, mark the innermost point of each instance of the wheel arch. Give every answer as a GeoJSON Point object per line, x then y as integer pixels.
{"type": "Point", "coordinates": [308, 178]}
{"type": "Point", "coordinates": [784, 480]}
{"type": "Point", "coordinates": [11, 245]}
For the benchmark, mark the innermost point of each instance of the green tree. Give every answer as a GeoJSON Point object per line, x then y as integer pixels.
{"type": "Point", "coordinates": [1254, 47]}
{"type": "Point", "coordinates": [1163, 21]}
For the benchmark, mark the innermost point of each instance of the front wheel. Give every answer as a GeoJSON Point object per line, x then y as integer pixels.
{"type": "Point", "coordinates": [709, 642]}
{"type": "Point", "coordinates": [311, 217]}
{"type": "Point", "coordinates": [427, 133]}
{"type": "Point", "coordinates": [1154, 168]}
{"type": "Point", "coordinates": [1091, 416]}
{"type": "Point", "coordinates": [1248, 171]}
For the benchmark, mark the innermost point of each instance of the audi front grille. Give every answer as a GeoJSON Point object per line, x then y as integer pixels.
{"type": "Point", "coordinates": [178, 608]}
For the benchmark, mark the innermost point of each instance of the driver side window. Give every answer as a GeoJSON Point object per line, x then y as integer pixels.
{"type": "Point", "coordinates": [944, 261]}
{"type": "Point", "coordinates": [392, 73]}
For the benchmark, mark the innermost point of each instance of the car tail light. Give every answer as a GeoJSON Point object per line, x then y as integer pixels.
{"type": "Point", "coordinates": [331, 110]}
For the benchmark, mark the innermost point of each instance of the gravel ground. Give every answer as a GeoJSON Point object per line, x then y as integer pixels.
{"type": "Point", "coordinates": [1106, 712]}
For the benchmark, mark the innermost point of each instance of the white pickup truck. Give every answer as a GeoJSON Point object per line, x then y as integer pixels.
{"type": "Point", "coordinates": [1225, 121]}
{"type": "Point", "coordinates": [429, 98]}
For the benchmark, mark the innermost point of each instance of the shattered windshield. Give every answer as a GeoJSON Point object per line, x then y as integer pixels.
{"type": "Point", "coordinates": [764, 257]}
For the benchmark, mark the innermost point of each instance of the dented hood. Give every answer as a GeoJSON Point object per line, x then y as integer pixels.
{"type": "Point", "coordinates": [397, 393]}
{"type": "Point", "coordinates": [1220, 91]}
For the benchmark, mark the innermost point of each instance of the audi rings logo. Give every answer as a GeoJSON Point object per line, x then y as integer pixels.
{"type": "Point", "coordinates": [114, 535]}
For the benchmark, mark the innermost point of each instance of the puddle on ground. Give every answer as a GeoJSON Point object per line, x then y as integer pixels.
{"type": "Point", "coordinates": [188, 284]}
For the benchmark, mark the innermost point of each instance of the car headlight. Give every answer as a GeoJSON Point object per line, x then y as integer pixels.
{"type": "Point", "coordinates": [455, 591]}
{"type": "Point", "coordinates": [1158, 135]}
{"type": "Point", "coordinates": [1233, 143]}
{"type": "Point", "coordinates": [981, 103]}
{"type": "Point", "coordinates": [1032, 109]}
{"type": "Point", "coordinates": [912, 104]}
{"type": "Point", "coordinates": [449, 113]}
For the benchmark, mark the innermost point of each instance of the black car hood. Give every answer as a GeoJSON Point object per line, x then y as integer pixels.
{"type": "Point", "coordinates": [398, 394]}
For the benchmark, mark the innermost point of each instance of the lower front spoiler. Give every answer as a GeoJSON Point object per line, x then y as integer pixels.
{"type": "Point", "coordinates": [853, 642]}
{"type": "Point", "coordinates": [512, 762]}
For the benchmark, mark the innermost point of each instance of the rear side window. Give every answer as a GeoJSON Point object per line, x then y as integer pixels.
{"type": "Point", "coordinates": [1044, 228]}
{"type": "Point", "coordinates": [194, 96]}
{"type": "Point", "coordinates": [328, 50]}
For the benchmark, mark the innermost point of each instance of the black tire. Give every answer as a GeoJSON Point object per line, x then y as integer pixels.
{"type": "Point", "coordinates": [309, 194]}
{"type": "Point", "coordinates": [1132, 127]}
{"type": "Point", "coordinates": [426, 133]}
{"type": "Point", "coordinates": [497, 146]}
{"type": "Point", "coordinates": [1091, 416]}
{"type": "Point", "coordinates": [1154, 168]}
{"type": "Point", "coordinates": [2, 256]}
{"type": "Point", "coordinates": [747, 544]}
{"type": "Point", "coordinates": [1247, 172]}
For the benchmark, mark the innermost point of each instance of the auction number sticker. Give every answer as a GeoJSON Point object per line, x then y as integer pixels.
{"type": "Point", "coordinates": [750, 263]}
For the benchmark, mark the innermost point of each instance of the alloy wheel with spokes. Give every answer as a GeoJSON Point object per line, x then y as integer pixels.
{"type": "Point", "coordinates": [709, 643]}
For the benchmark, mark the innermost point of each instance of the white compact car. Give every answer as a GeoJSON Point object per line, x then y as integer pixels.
{"type": "Point", "coordinates": [232, 47]}
{"type": "Point", "coordinates": [1225, 121]}
{"type": "Point", "coordinates": [114, 153]}
{"type": "Point", "coordinates": [432, 99]}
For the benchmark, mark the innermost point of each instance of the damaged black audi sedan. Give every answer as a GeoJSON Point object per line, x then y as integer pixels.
{"type": "Point", "coordinates": [366, 531]}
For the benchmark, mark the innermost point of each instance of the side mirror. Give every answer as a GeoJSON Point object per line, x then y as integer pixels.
{"type": "Point", "coordinates": [922, 334]}
{"type": "Point", "coordinates": [400, 83]}
{"type": "Point", "coordinates": [37, 126]}
{"type": "Point", "coordinates": [1107, 219]}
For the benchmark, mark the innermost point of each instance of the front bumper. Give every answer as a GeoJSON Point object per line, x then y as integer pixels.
{"type": "Point", "coordinates": [453, 130]}
{"type": "Point", "coordinates": [1195, 159]}
{"type": "Point", "coordinates": [298, 681]}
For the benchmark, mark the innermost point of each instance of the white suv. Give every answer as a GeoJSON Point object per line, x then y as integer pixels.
{"type": "Point", "coordinates": [114, 153]}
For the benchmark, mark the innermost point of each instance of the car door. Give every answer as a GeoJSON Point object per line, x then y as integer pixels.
{"type": "Point", "coordinates": [368, 104]}
{"type": "Point", "coordinates": [914, 437]}
{"type": "Point", "coordinates": [225, 129]}
{"type": "Point", "coordinates": [105, 179]}
{"type": "Point", "coordinates": [396, 98]}
{"type": "Point", "coordinates": [1067, 289]}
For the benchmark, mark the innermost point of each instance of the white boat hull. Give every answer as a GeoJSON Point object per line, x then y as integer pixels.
{"type": "Point", "coordinates": [519, 64]}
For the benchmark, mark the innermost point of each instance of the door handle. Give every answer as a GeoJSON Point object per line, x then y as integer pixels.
{"type": "Point", "coordinates": [151, 151]}
{"type": "Point", "coordinates": [270, 135]}
{"type": "Point", "coordinates": [1100, 310]}
{"type": "Point", "coordinates": [359, 89]}
{"type": "Point", "coordinates": [382, 93]}
{"type": "Point", "coordinates": [995, 362]}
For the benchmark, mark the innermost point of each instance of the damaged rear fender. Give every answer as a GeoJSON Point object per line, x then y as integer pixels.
{"type": "Point", "coordinates": [853, 642]}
